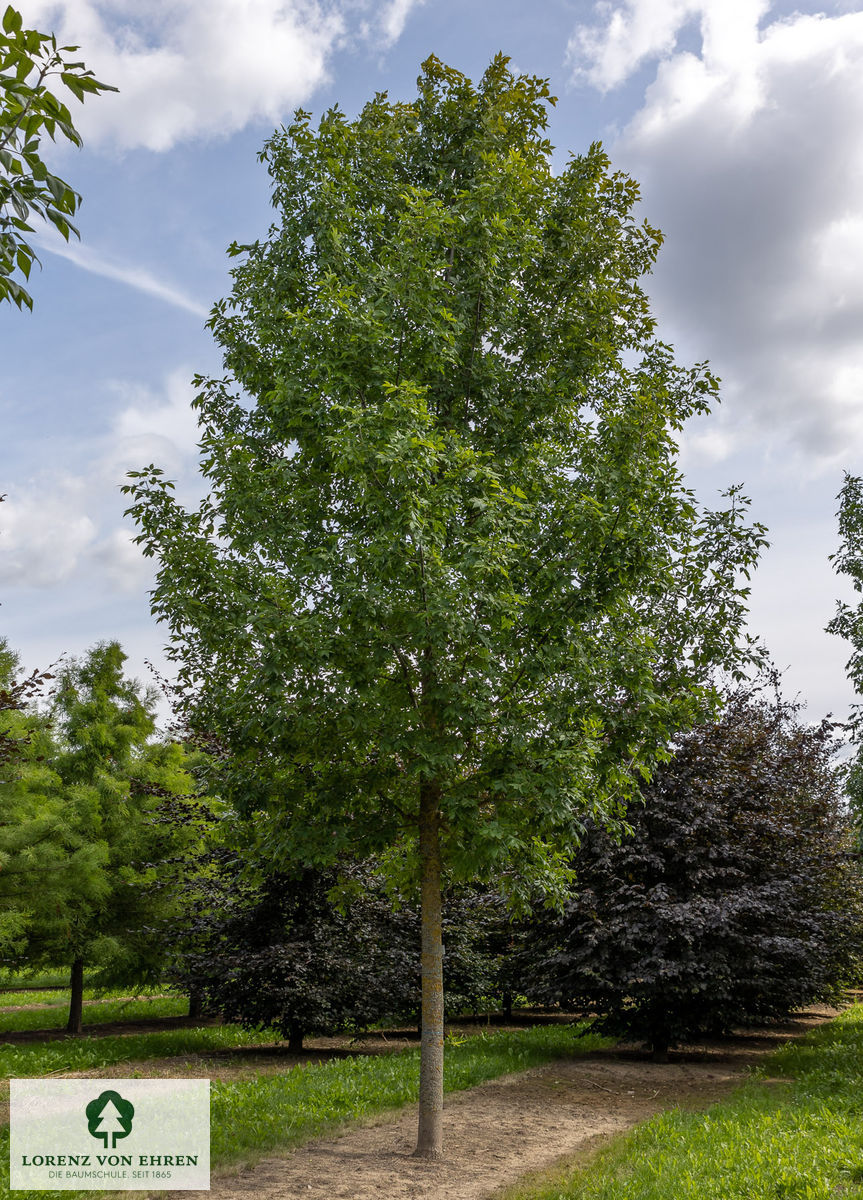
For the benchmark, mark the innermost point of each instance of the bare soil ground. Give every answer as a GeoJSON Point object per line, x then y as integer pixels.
{"type": "Point", "coordinates": [512, 1126]}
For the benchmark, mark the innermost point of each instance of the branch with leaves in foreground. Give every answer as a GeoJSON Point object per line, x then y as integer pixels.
{"type": "Point", "coordinates": [27, 111]}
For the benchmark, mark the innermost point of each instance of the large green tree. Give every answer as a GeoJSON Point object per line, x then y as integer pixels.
{"type": "Point", "coordinates": [848, 560]}
{"type": "Point", "coordinates": [448, 592]}
{"type": "Point", "coordinates": [28, 110]}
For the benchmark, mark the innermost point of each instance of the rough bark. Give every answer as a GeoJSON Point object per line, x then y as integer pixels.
{"type": "Point", "coordinates": [430, 1134]}
{"type": "Point", "coordinates": [76, 998]}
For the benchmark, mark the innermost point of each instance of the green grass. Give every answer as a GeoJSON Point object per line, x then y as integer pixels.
{"type": "Point", "coordinates": [58, 978]}
{"type": "Point", "coordinates": [32, 1059]}
{"type": "Point", "coordinates": [276, 1112]}
{"type": "Point", "coordinates": [252, 1117]}
{"type": "Point", "coordinates": [49, 999]}
{"type": "Point", "coordinates": [797, 1141]}
{"type": "Point", "coordinates": [53, 1016]}
{"type": "Point", "coordinates": [59, 997]}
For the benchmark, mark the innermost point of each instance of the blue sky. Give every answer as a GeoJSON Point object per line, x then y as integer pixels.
{"type": "Point", "coordinates": [739, 118]}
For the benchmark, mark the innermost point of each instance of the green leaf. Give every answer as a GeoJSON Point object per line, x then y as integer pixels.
{"type": "Point", "coordinates": [11, 20]}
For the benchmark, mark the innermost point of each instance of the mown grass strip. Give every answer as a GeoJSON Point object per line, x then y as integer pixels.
{"type": "Point", "coordinates": [105, 1010]}
{"type": "Point", "coordinates": [59, 997]}
{"type": "Point", "coordinates": [49, 999]}
{"type": "Point", "coordinates": [797, 1141]}
{"type": "Point", "coordinates": [58, 978]}
{"type": "Point", "coordinates": [253, 1117]}
{"type": "Point", "coordinates": [32, 1059]}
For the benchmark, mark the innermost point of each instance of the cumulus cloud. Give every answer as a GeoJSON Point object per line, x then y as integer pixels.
{"type": "Point", "coordinates": [55, 528]}
{"type": "Point", "coordinates": [45, 532]}
{"type": "Point", "coordinates": [750, 160]}
{"type": "Point", "coordinates": [189, 69]}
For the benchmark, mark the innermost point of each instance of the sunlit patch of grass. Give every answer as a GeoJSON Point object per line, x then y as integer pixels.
{"type": "Point", "coordinates": [54, 1015]}
{"type": "Point", "coordinates": [33, 1059]}
{"type": "Point", "coordinates": [797, 1141]}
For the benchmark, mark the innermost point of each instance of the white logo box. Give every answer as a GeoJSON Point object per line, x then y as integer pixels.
{"type": "Point", "coordinates": [145, 1134]}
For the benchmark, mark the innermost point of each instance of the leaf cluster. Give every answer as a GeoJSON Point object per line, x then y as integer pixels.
{"type": "Point", "coordinates": [28, 110]}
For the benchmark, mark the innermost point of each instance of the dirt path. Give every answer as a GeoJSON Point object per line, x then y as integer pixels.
{"type": "Point", "coordinates": [508, 1127]}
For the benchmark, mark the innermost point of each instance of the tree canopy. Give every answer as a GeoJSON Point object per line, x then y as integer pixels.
{"type": "Point", "coordinates": [449, 593]}
{"type": "Point", "coordinates": [46, 865]}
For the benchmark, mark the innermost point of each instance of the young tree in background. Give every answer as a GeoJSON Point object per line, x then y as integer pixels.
{"type": "Point", "coordinates": [112, 779]}
{"type": "Point", "coordinates": [449, 593]}
{"type": "Point", "coordinates": [319, 950]}
{"type": "Point", "coordinates": [27, 111]}
{"type": "Point", "coordinates": [46, 865]}
{"type": "Point", "coordinates": [734, 899]}
{"type": "Point", "coordinates": [16, 696]}
{"type": "Point", "coordinates": [848, 624]}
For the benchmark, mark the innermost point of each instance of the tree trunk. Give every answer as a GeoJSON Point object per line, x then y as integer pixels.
{"type": "Point", "coordinates": [430, 1136]}
{"type": "Point", "coordinates": [506, 1004]}
{"type": "Point", "coordinates": [76, 998]}
{"type": "Point", "coordinates": [660, 1039]}
{"type": "Point", "coordinates": [196, 1006]}
{"type": "Point", "coordinates": [296, 1033]}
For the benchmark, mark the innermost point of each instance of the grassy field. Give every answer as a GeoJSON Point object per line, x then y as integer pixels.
{"type": "Point", "coordinates": [797, 1140]}
{"type": "Point", "coordinates": [255, 1116]}
{"type": "Point", "coordinates": [59, 997]}
{"type": "Point", "coordinates": [801, 1140]}
{"type": "Point", "coordinates": [58, 979]}
{"type": "Point", "coordinates": [32, 1059]}
{"type": "Point", "coordinates": [252, 1117]}
{"type": "Point", "coordinates": [54, 1016]}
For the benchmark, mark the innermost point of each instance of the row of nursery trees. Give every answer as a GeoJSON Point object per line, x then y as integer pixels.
{"type": "Point", "coordinates": [448, 627]}
{"type": "Point", "coordinates": [735, 895]}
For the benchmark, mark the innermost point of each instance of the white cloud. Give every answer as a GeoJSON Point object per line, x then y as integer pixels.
{"type": "Point", "coordinates": [711, 446]}
{"type": "Point", "coordinates": [161, 428]}
{"type": "Point", "coordinates": [750, 160]}
{"type": "Point", "coordinates": [607, 53]}
{"type": "Point", "coordinates": [190, 69]}
{"type": "Point", "coordinates": [45, 532]}
{"type": "Point", "coordinates": [139, 278]}
{"type": "Point", "coordinates": [393, 17]}
{"type": "Point", "coordinates": [55, 528]}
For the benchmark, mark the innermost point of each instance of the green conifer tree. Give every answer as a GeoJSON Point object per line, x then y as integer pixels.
{"type": "Point", "coordinates": [45, 863]}
{"type": "Point", "coordinates": [113, 779]}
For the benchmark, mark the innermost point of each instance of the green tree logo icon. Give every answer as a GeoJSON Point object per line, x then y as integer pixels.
{"type": "Point", "coordinates": [109, 1117]}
